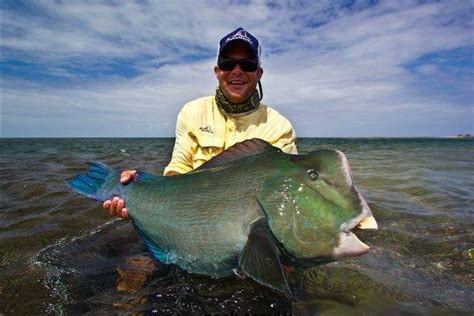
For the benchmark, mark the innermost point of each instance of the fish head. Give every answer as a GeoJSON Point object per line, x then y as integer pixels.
{"type": "Point", "coordinates": [312, 206]}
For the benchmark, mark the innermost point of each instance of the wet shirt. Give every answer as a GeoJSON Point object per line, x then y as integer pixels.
{"type": "Point", "coordinates": [203, 131]}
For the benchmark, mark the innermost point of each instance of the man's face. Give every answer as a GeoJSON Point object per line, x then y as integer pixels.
{"type": "Point", "coordinates": [236, 84]}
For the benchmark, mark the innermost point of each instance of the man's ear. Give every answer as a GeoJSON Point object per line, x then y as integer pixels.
{"type": "Point", "coordinates": [259, 73]}
{"type": "Point", "coordinates": [216, 70]}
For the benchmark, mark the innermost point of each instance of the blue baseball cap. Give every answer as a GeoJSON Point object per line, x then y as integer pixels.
{"type": "Point", "coordinates": [243, 36]}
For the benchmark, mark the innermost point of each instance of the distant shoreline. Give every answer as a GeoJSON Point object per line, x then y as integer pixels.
{"type": "Point", "coordinates": [464, 136]}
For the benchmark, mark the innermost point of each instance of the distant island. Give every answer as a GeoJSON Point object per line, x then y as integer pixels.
{"type": "Point", "coordinates": [464, 136]}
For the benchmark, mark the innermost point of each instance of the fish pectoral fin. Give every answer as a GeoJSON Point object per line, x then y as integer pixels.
{"type": "Point", "coordinates": [260, 258]}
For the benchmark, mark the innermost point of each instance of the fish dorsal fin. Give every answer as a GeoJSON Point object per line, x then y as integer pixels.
{"type": "Point", "coordinates": [239, 150]}
{"type": "Point", "coordinates": [147, 177]}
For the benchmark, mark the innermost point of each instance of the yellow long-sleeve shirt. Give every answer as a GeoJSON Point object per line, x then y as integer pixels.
{"type": "Point", "coordinates": [203, 131]}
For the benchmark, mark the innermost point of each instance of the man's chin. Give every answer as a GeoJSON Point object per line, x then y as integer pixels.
{"type": "Point", "coordinates": [236, 97]}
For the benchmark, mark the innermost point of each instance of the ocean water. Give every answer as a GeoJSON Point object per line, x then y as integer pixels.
{"type": "Point", "coordinates": [61, 253]}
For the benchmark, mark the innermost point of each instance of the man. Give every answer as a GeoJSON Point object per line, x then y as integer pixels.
{"type": "Point", "coordinates": [207, 126]}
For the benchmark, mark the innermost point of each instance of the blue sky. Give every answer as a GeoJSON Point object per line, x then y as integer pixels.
{"type": "Point", "coordinates": [114, 68]}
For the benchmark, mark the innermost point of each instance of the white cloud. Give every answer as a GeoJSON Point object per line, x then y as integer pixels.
{"type": "Point", "coordinates": [145, 106]}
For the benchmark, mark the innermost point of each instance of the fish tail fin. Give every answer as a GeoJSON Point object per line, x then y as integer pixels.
{"type": "Point", "coordinates": [100, 183]}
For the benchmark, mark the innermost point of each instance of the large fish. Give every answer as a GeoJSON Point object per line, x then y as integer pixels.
{"type": "Point", "coordinates": [252, 208]}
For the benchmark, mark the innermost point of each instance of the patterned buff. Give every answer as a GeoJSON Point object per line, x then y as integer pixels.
{"type": "Point", "coordinates": [237, 109]}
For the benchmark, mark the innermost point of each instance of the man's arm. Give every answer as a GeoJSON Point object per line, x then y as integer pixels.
{"type": "Point", "coordinates": [287, 142]}
{"type": "Point", "coordinates": [285, 139]}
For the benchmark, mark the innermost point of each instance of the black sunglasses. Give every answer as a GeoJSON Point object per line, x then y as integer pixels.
{"type": "Point", "coordinates": [246, 64]}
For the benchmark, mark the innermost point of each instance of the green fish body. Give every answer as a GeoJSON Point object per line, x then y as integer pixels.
{"type": "Point", "coordinates": [250, 208]}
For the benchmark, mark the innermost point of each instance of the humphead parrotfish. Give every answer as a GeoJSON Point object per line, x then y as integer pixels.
{"type": "Point", "coordinates": [250, 209]}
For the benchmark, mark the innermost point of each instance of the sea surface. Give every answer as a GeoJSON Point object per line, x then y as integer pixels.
{"type": "Point", "coordinates": [61, 253]}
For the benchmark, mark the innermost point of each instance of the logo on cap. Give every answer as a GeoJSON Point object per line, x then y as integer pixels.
{"type": "Point", "coordinates": [240, 35]}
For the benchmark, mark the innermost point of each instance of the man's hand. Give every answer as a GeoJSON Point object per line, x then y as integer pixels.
{"type": "Point", "coordinates": [116, 206]}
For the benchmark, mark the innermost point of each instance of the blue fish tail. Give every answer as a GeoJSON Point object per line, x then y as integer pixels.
{"type": "Point", "coordinates": [100, 183]}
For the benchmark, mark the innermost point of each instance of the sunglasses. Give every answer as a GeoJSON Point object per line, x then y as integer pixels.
{"type": "Point", "coordinates": [228, 64]}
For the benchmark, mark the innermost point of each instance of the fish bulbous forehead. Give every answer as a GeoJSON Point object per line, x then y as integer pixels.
{"type": "Point", "coordinates": [331, 163]}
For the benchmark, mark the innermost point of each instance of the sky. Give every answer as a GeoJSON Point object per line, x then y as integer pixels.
{"type": "Point", "coordinates": [123, 68]}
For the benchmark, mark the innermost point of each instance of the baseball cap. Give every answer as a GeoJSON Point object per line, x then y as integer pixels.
{"type": "Point", "coordinates": [240, 35]}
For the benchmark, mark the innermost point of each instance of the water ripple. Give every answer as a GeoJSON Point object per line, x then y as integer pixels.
{"type": "Point", "coordinates": [420, 190]}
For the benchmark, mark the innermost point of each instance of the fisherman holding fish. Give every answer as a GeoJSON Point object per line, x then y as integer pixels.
{"type": "Point", "coordinates": [208, 126]}
{"type": "Point", "coordinates": [284, 211]}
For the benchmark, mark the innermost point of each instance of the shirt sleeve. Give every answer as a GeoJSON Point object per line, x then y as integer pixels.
{"type": "Point", "coordinates": [286, 142]}
{"type": "Point", "coordinates": [181, 159]}
{"type": "Point", "coordinates": [283, 134]}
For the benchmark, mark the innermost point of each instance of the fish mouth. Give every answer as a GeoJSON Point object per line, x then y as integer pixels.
{"type": "Point", "coordinates": [368, 223]}
{"type": "Point", "coordinates": [349, 244]}
{"type": "Point", "coordinates": [365, 220]}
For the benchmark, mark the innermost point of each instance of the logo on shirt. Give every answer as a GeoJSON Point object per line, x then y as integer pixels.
{"type": "Point", "coordinates": [206, 129]}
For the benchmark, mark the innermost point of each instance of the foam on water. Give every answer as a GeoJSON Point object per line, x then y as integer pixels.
{"type": "Point", "coordinates": [48, 259]}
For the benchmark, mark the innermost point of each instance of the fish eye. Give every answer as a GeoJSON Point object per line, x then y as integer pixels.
{"type": "Point", "coordinates": [312, 175]}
